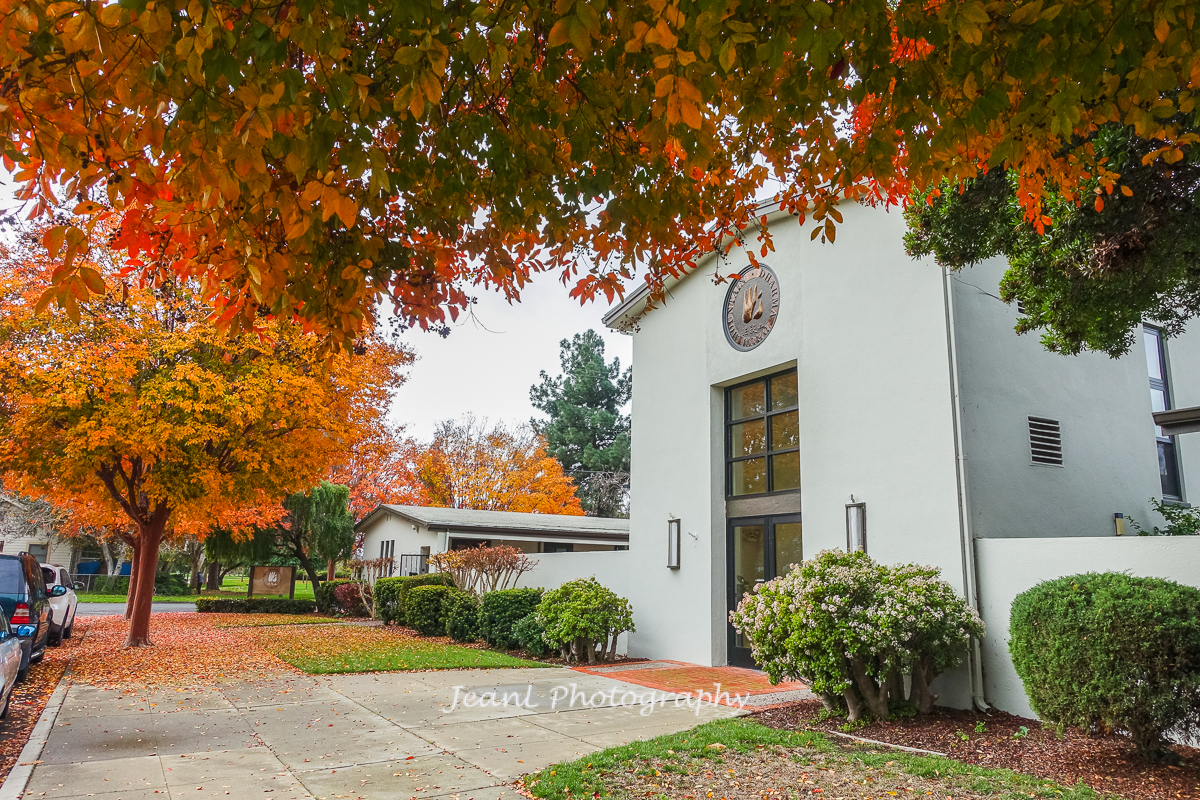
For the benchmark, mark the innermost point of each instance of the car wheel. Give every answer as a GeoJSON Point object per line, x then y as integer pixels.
{"type": "Point", "coordinates": [4, 710]}
{"type": "Point", "coordinates": [70, 627]}
{"type": "Point", "coordinates": [37, 659]}
{"type": "Point", "coordinates": [54, 638]}
{"type": "Point", "coordinates": [21, 673]}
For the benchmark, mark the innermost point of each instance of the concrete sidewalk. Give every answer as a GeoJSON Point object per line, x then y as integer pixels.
{"type": "Point", "coordinates": [386, 735]}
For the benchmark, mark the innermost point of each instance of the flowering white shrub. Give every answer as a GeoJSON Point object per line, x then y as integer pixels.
{"type": "Point", "coordinates": [854, 630]}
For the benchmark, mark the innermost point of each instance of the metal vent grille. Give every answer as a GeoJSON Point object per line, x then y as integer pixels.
{"type": "Point", "coordinates": [1020, 307]}
{"type": "Point", "coordinates": [1045, 441]}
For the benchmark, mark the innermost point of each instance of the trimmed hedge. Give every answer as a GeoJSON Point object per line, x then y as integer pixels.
{"type": "Point", "coordinates": [171, 585]}
{"type": "Point", "coordinates": [527, 633]}
{"type": "Point", "coordinates": [326, 601]}
{"type": "Point", "coordinates": [461, 610]}
{"type": "Point", "coordinates": [503, 609]}
{"type": "Point", "coordinates": [424, 609]}
{"type": "Point", "coordinates": [390, 594]}
{"type": "Point", "coordinates": [1106, 651]}
{"type": "Point", "coordinates": [254, 605]}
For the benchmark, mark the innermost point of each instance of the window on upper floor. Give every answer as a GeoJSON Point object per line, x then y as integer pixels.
{"type": "Point", "coordinates": [1160, 400]}
{"type": "Point", "coordinates": [762, 436]}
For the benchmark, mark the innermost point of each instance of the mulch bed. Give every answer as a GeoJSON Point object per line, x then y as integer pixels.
{"type": "Point", "coordinates": [30, 696]}
{"type": "Point", "coordinates": [775, 774]}
{"type": "Point", "coordinates": [1105, 763]}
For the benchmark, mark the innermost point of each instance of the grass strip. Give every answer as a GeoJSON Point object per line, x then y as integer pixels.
{"type": "Point", "coordinates": [589, 776]}
{"type": "Point", "coordinates": [330, 651]}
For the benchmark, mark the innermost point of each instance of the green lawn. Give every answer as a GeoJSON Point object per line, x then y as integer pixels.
{"type": "Point", "coordinates": [232, 586]}
{"type": "Point", "coordinates": [672, 767]}
{"type": "Point", "coordinates": [349, 648]}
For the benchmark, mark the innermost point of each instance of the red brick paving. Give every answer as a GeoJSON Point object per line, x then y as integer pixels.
{"type": "Point", "coordinates": [694, 678]}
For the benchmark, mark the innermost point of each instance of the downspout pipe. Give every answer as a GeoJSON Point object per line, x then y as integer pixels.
{"type": "Point", "coordinates": [970, 574]}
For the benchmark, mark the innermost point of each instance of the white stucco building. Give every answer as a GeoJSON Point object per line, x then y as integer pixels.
{"type": "Point", "coordinates": [410, 534]}
{"type": "Point", "coordinates": [853, 375]}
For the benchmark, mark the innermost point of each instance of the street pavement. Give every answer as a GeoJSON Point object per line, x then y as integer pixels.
{"type": "Point", "coordinates": [383, 735]}
{"type": "Point", "coordinates": [104, 609]}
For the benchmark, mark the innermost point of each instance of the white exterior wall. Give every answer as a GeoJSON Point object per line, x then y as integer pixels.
{"type": "Point", "coordinates": [866, 327]}
{"type": "Point", "coordinates": [1008, 567]}
{"type": "Point", "coordinates": [1110, 459]}
{"type": "Point", "coordinates": [613, 568]}
{"type": "Point", "coordinates": [409, 536]}
{"type": "Point", "coordinates": [59, 552]}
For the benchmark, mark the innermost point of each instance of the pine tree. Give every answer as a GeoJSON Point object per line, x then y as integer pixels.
{"type": "Point", "coordinates": [586, 430]}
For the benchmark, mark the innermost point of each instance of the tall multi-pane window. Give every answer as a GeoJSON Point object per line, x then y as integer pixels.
{"type": "Point", "coordinates": [1160, 400]}
{"type": "Point", "coordinates": [762, 435]}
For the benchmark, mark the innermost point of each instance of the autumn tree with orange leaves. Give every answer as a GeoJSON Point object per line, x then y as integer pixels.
{"type": "Point", "coordinates": [315, 158]}
{"type": "Point", "coordinates": [132, 400]}
{"type": "Point", "coordinates": [471, 464]}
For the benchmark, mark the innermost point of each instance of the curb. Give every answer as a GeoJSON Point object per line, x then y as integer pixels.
{"type": "Point", "coordinates": [18, 778]}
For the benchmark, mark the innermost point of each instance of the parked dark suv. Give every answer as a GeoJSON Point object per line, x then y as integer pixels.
{"type": "Point", "coordinates": [24, 601]}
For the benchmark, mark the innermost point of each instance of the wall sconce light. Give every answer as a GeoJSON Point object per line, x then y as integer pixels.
{"type": "Point", "coordinates": [856, 526]}
{"type": "Point", "coordinates": [1119, 523]}
{"type": "Point", "coordinates": [673, 528]}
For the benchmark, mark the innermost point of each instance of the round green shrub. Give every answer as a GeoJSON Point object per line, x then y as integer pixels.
{"type": "Point", "coordinates": [325, 599]}
{"type": "Point", "coordinates": [424, 611]}
{"type": "Point", "coordinates": [527, 633]}
{"type": "Point", "coordinates": [854, 629]}
{"type": "Point", "coordinates": [583, 618]}
{"type": "Point", "coordinates": [1108, 651]}
{"type": "Point", "coordinates": [461, 610]}
{"type": "Point", "coordinates": [502, 609]}
{"type": "Point", "coordinates": [390, 594]}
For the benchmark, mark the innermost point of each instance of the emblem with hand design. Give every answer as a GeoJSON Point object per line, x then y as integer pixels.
{"type": "Point", "coordinates": [752, 303]}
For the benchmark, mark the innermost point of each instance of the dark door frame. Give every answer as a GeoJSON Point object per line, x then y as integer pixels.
{"type": "Point", "coordinates": [740, 656]}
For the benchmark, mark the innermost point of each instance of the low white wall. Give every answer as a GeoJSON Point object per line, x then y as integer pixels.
{"type": "Point", "coordinates": [1008, 567]}
{"type": "Point", "coordinates": [610, 567]}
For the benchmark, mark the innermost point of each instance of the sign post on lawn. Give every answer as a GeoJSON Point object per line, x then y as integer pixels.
{"type": "Point", "coordinates": [272, 582]}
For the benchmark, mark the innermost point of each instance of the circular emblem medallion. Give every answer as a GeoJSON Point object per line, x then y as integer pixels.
{"type": "Point", "coordinates": [751, 306]}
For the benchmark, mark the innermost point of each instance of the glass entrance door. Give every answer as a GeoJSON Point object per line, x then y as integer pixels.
{"type": "Point", "coordinates": [758, 549]}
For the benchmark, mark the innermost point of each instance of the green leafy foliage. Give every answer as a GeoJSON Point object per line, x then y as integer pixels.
{"type": "Point", "coordinates": [583, 619]}
{"type": "Point", "coordinates": [327, 599]}
{"type": "Point", "coordinates": [1105, 651]}
{"type": "Point", "coordinates": [425, 609]}
{"type": "Point", "coordinates": [586, 431]}
{"type": "Point", "coordinates": [853, 629]}
{"type": "Point", "coordinates": [1181, 520]}
{"type": "Point", "coordinates": [461, 610]}
{"type": "Point", "coordinates": [1087, 274]}
{"type": "Point", "coordinates": [528, 633]}
{"type": "Point", "coordinates": [254, 605]}
{"type": "Point", "coordinates": [171, 585]}
{"type": "Point", "coordinates": [111, 584]}
{"type": "Point", "coordinates": [501, 610]}
{"type": "Point", "coordinates": [390, 594]}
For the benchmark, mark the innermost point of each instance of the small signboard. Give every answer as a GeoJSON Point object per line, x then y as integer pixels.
{"type": "Point", "coordinates": [272, 582]}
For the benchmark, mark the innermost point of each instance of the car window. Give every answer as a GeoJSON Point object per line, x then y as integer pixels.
{"type": "Point", "coordinates": [11, 580]}
{"type": "Point", "coordinates": [48, 576]}
{"type": "Point", "coordinates": [33, 577]}
{"type": "Point", "coordinates": [64, 578]}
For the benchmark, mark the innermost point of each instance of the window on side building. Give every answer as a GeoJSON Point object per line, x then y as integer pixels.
{"type": "Point", "coordinates": [762, 436]}
{"type": "Point", "coordinates": [1160, 400]}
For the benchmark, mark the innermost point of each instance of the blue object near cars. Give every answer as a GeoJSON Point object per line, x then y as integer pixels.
{"type": "Point", "coordinates": [26, 606]}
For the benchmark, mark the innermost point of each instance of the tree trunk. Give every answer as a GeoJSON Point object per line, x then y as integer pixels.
{"type": "Point", "coordinates": [854, 703]}
{"type": "Point", "coordinates": [920, 695]}
{"type": "Point", "coordinates": [331, 570]}
{"type": "Point", "coordinates": [874, 694]}
{"type": "Point", "coordinates": [306, 564]}
{"type": "Point", "coordinates": [214, 576]}
{"type": "Point", "coordinates": [134, 577]}
{"type": "Point", "coordinates": [150, 537]}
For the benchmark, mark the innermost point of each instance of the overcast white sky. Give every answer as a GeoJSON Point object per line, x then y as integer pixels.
{"type": "Point", "coordinates": [487, 364]}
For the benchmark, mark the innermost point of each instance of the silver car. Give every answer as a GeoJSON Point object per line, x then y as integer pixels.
{"type": "Point", "coordinates": [10, 660]}
{"type": "Point", "coordinates": [63, 603]}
